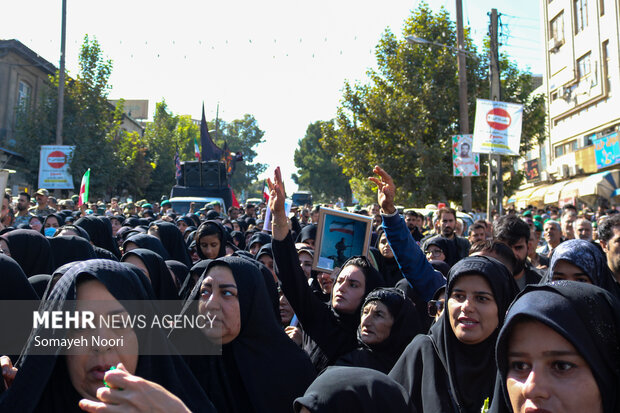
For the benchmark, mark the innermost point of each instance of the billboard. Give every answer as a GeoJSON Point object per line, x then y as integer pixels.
{"type": "Point", "coordinates": [497, 127]}
{"type": "Point", "coordinates": [607, 151]}
{"type": "Point", "coordinates": [54, 167]}
{"type": "Point", "coordinates": [464, 161]}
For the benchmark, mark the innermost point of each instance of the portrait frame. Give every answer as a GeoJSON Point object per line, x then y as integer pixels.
{"type": "Point", "coordinates": [340, 235]}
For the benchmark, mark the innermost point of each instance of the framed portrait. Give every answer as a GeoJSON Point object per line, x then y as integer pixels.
{"type": "Point", "coordinates": [340, 235]}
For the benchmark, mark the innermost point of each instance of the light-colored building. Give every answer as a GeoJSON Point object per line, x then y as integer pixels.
{"type": "Point", "coordinates": [582, 88]}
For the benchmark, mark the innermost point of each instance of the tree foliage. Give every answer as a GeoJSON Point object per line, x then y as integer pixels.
{"type": "Point", "coordinates": [317, 170]}
{"type": "Point", "coordinates": [403, 119]}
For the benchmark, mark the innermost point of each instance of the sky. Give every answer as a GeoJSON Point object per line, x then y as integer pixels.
{"type": "Point", "coordinates": [284, 62]}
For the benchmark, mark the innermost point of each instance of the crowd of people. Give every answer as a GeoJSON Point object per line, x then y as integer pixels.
{"type": "Point", "coordinates": [520, 313]}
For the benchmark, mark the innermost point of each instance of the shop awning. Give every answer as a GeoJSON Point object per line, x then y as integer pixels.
{"type": "Point", "coordinates": [553, 192]}
{"type": "Point", "coordinates": [521, 198]}
{"type": "Point", "coordinates": [602, 184]}
{"type": "Point", "coordinates": [538, 195]}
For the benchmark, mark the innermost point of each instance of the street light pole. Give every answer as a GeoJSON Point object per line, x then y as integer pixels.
{"type": "Point", "coordinates": [463, 114]}
{"type": "Point", "coordinates": [61, 74]}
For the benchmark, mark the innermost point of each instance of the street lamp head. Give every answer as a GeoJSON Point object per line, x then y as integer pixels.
{"type": "Point", "coordinates": [417, 40]}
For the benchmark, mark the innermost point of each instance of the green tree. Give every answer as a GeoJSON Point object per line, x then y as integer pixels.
{"type": "Point", "coordinates": [88, 120]}
{"type": "Point", "coordinates": [403, 119]}
{"type": "Point", "coordinates": [317, 170]}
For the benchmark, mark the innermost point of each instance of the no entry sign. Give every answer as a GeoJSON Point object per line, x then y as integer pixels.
{"type": "Point", "coordinates": [54, 167]}
{"type": "Point", "coordinates": [497, 127]}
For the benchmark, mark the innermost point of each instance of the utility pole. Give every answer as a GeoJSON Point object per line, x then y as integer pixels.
{"type": "Point", "coordinates": [463, 115]}
{"type": "Point", "coordinates": [61, 75]}
{"type": "Point", "coordinates": [495, 188]}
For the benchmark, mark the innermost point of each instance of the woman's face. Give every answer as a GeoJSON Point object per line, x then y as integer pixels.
{"type": "Point", "coordinates": [51, 222]}
{"type": "Point", "coordinates": [182, 226]}
{"type": "Point", "coordinates": [376, 323]}
{"type": "Point", "coordinates": [305, 261]}
{"type": "Point", "coordinates": [565, 270]}
{"type": "Point", "coordinates": [384, 247]}
{"type": "Point", "coordinates": [433, 252]}
{"type": "Point", "coordinates": [286, 311]}
{"type": "Point", "coordinates": [210, 246]}
{"type": "Point", "coordinates": [349, 290]}
{"type": "Point", "coordinates": [236, 227]}
{"type": "Point", "coordinates": [219, 298]}
{"type": "Point", "coordinates": [267, 260]}
{"type": "Point", "coordinates": [326, 282]}
{"type": "Point", "coordinates": [546, 373]}
{"type": "Point", "coordinates": [116, 225]}
{"type": "Point", "coordinates": [472, 309]}
{"type": "Point", "coordinates": [86, 369]}
{"type": "Point", "coordinates": [35, 224]}
{"type": "Point", "coordinates": [137, 261]}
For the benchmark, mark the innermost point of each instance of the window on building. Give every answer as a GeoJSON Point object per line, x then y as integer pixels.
{"type": "Point", "coordinates": [581, 15]}
{"type": "Point", "coordinates": [559, 151]}
{"type": "Point", "coordinates": [556, 29]}
{"type": "Point", "coordinates": [601, 7]}
{"type": "Point", "coordinates": [554, 95]}
{"type": "Point", "coordinates": [566, 148]}
{"type": "Point", "coordinates": [606, 77]}
{"type": "Point", "coordinates": [24, 92]}
{"type": "Point", "coordinates": [583, 66]}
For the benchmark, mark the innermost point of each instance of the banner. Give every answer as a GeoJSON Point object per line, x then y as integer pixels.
{"type": "Point", "coordinates": [497, 127]}
{"type": "Point", "coordinates": [54, 167]}
{"type": "Point", "coordinates": [532, 170]}
{"type": "Point", "coordinates": [607, 151]}
{"type": "Point", "coordinates": [464, 161]}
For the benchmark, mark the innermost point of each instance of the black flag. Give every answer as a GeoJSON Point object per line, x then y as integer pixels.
{"type": "Point", "coordinates": [210, 151]}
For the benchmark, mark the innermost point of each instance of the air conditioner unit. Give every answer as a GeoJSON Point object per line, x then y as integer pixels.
{"type": "Point", "coordinates": [554, 45]}
{"type": "Point", "coordinates": [574, 170]}
{"type": "Point", "coordinates": [566, 92]}
{"type": "Point", "coordinates": [544, 176]}
{"type": "Point", "coordinates": [562, 171]}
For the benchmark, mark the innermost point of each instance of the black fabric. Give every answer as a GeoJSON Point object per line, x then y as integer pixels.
{"type": "Point", "coordinates": [100, 231]}
{"type": "Point", "coordinates": [81, 232]}
{"type": "Point", "coordinates": [307, 232]}
{"type": "Point", "coordinates": [442, 374]}
{"type": "Point", "coordinates": [383, 356]}
{"type": "Point", "coordinates": [420, 304]}
{"type": "Point", "coordinates": [353, 389]}
{"type": "Point", "coordinates": [585, 315]}
{"type": "Point", "coordinates": [261, 238]}
{"type": "Point", "coordinates": [264, 250]}
{"type": "Point", "coordinates": [42, 383]}
{"type": "Point", "coordinates": [328, 333]}
{"type": "Point", "coordinates": [222, 234]}
{"type": "Point", "coordinates": [148, 242]}
{"type": "Point", "coordinates": [270, 283]}
{"type": "Point", "coordinates": [31, 250]}
{"type": "Point", "coordinates": [14, 284]}
{"type": "Point", "coordinates": [159, 276]}
{"type": "Point", "coordinates": [194, 274]}
{"type": "Point", "coordinates": [173, 242]}
{"type": "Point", "coordinates": [105, 254]}
{"type": "Point", "coordinates": [39, 283]}
{"type": "Point", "coordinates": [180, 270]}
{"type": "Point", "coordinates": [447, 246]}
{"type": "Point", "coordinates": [388, 267]}
{"type": "Point", "coordinates": [239, 239]}
{"type": "Point", "coordinates": [261, 370]}
{"type": "Point", "coordinates": [69, 248]}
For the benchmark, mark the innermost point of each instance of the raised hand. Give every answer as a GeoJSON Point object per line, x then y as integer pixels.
{"type": "Point", "coordinates": [277, 194]}
{"type": "Point", "coordinates": [386, 190]}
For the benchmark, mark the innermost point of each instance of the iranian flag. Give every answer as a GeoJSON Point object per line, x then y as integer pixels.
{"type": "Point", "coordinates": [84, 188]}
{"type": "Point", "coordinates": [196, 149]}
{"type": "Point", "coordinates": [344, 227]}
{"type": "Point", "coordinates": [266, 192]}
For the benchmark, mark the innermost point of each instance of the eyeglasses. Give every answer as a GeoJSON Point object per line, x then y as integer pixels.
{"type": "Point", "coordinates": [435, 307]}
{"type": "Point", "coordinates": [434, 252]}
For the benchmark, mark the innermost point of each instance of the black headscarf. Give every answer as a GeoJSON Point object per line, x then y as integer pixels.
{"type": "Point", "coordinates": [42, 383]}
{"type": "Point", "coordinates": [589, 259]}
{"type": "Point", "coordinates": [447, 246]}
{"type": "Point", "coordinates": [100, 231]}
{"type": "Point", "coordinates": [173, 241]}
{"type": "Point", "coordinates": [194, 274]}
{"type": "Point", "coordinates": [161, 280]}
{"type": "Point", "coordinates": [14, 284]}
{"type": "Point", "coordinates": [31, 250]}
{"type": "Point", "coordinates": [259, 237]}
{"type": "Point", "coordinates": [222, 234]}
{"type": "Point", "coordinates": [81, 232]}
{"type": "Point", "coordinates": [353, 389]}
{"type": "Point", "coordinates": [382, 356]}
{"type": "Point", "coordinates": [441, 373]}
{"type": "Point", "coordinates": [180, 270]}
{"type": "Point", "coordinates": [39, 283]}
{"type": "Point", "coordinates": [69, 248]}
{"type": "Point", "coordinates": [308, 232]}
{"type": "Point", "coordinates": [585, 315]}
{"type": "Point", "coordinates": [148, 242]}
{"type": "Point", "coordinates": [261, 369]}
{"type": "Point", "coordinates": [240, 238]}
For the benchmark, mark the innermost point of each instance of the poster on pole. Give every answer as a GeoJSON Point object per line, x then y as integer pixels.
{"type": "Point", "coordinates": [54, 167]}
{"type": "Point", "coordinates": [464, 161]}
{"type": "Point", "coordinates": [497, 127]}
